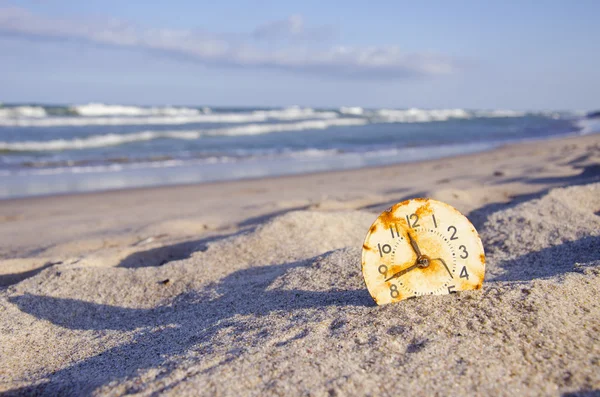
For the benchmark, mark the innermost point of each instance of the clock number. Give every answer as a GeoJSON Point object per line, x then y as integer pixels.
{"type": "Point", "coordinates": [453, 237]}
{"type": "Point", "coordinates": [434, 221]}
{"type": "Point", "coordinates": [382, 269]}
{"type": "Point", "coordinates": [384, 249]}
{"type": "Point", "coordinates": [464, 252]}
{"type": "Point", "coordinates": [463, 273]}
{"type": "Point", "coordinates": [394, 291]}
{"type": "Point", "coordinates": [392, 228]}
{"type": "Point", "coordinates": [415, 223]}
{"type": "Point", "coordinates": [451, 289]}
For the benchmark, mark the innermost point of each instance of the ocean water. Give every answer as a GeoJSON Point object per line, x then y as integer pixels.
{"type": "Point", "coordinates": [64, 149]}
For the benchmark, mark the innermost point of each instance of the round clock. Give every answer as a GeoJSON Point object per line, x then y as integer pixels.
{"type": "Point", "coordinates": [421, 247]}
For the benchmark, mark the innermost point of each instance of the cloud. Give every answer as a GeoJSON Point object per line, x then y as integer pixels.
{"type": "Point", "coordinates": [292, 28]}
{"type": "Point", "coordinates": [292, 52]}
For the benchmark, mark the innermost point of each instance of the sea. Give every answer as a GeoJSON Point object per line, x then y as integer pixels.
{"type": "Point", "coordinates": [48, 150]}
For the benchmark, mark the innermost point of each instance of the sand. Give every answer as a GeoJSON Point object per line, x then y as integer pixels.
{"type": "Point", "coordinates": [254, 287]}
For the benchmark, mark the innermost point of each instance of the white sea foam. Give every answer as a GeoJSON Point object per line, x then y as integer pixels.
{"type": "Point", "coordinates": [257, 129]}
{"type": "Point", "coordinates": [98, 114]}
{"type": "Point", "coordinates": [94, 141]}
{"type": "Point", "coordinates": [589, 126]}
{"type": "Point", "coordinates": [22, 111]}
{"type": "Point", "coordinates": [288, 114]}
{"type": "Point", "coordinates": [499, 113]}
{"type": "Point", "coordinates": [353, 110]}
{"type": "Point", "coordinates": [294, 113]}
{"type": "Point", "coordinates": [312, 153]}
{"type": "Point", "coordinates": [97, 141]}
{"type": "Point", "coordinates": [100, 109]}
{"type": "Point", "coordinates": [414, 115]}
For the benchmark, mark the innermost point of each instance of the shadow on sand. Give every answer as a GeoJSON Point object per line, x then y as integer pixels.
{"type": "Point", "coordinates": [13, 278]}
{"type": "Point", "coordinates": [190, 322]}
{"type": "Point", "coordinates": [588, 174]}
{"type": "Point", "coordinates": [187, 324]}
{"type": "Point", "coordinates": [550, 261]}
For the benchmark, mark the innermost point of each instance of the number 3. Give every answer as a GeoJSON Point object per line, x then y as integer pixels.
{"type": "Point", "coordinates": [464, 250]}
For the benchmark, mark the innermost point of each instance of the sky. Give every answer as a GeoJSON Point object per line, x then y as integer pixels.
{"type": "Point", "coordinates": [524, 55]}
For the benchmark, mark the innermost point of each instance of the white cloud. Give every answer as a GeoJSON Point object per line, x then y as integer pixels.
{"type": "Point", "coordinates": [292, 29]}
{"type": "Point", "coordinates": [243, 50]}
{"type": "Point", "coordinates": [292, 26]}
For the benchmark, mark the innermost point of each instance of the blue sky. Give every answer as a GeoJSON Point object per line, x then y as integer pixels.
{"type": "Point", "coordinates": [432, 54]}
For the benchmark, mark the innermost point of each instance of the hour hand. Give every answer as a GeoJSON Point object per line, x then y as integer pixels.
{"type": "Point", "coordinates": [401, 272]}
{"type": "Point", "coordinates": [414, 245]}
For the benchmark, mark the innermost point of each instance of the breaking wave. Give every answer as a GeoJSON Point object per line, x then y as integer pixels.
{"type": "Point", "coordinates": [353, 110]}
{"type": "Point", "coordinates": [589, 126]}
{"type": "Point", "coordinates": [98, 141]}
{"type": "Point", "coordinates": [415, 115]}
{"type": "Point", "coordinates": [100, 109]}
{"type": "Point", "coordinates": [98, 114]}
{"type": "Point", "coordinates": [91, 115]}
{"type": "Point", "coordinates": [22, 111]}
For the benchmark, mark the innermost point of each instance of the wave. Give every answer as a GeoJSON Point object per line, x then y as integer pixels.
{"type": "Point", "coordinates": [53, 166]}
{"type": "Point", "coordinates": [91, 142]}
{"type": "Point", "coordinates": [22, 111]}
{"type": "Point", "coordinates": [353, 110]}
{"type": "Point", "coordinates": [100, 109]}
{"type": "Point", "coordinates": [588, 126]}
{"type": "Point", "coordinates": [502, 113]}
{"type": "Point", "coordinates": [322, 158]}
{"type": "Point", "coordinates": [416, 115]}
{"type": "Point", "coordinates": [98, 141]}
{"type": "Point", "coordinates": [257, 129]}
{"type": "Point", "coordinates": [98, 114]}
{"type": "Point", "coordinates": [288, 114]}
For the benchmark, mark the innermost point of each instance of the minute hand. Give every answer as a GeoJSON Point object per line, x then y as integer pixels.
{"type": "Point", "coordinates": [444, 263]}
{"type": "Point", "coordinates": [401, 272]}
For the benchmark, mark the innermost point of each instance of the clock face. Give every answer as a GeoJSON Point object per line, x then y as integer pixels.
{"type": "Point", "coordinates": [421, 247]}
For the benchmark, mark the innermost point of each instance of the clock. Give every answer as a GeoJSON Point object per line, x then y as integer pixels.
{"type": "Point", "coordinates": [421, 247]}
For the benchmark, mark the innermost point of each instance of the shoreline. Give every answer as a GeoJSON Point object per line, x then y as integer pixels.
{"type": "Point", "coordinates": [499, 175]}
{"type": "Point", "coordinates": [175, 185]}
{"type": "Point", "coordinates": [40, 183]}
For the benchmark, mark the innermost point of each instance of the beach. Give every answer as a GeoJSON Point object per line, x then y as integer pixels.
{"type": "Point", "coordinates": [253, 287]}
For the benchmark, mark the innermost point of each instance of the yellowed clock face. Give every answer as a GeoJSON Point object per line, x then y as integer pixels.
{"type": "Point", "coordinates": [421, 247]}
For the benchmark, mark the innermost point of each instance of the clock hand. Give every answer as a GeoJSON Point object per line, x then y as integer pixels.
{"type": "Point", "coordinates": [414, 245]}
{"type": "Point", "coordinates": [401, 272]}
{"type": "Point", "coordinates": [444, 263]}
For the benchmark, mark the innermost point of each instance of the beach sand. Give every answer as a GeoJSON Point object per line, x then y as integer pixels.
{"type": "Point", "coordinates": [254, 287]}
